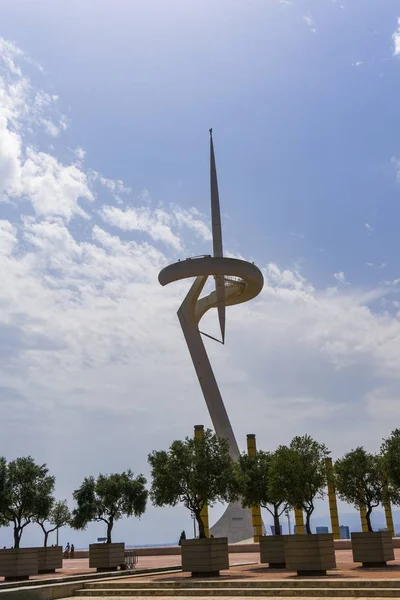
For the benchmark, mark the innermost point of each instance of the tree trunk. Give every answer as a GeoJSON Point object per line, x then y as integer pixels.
{"type": "Point", "coordinates": [277, 525]}
{"type": "Point", "coordinates": [110, 525]}
{"type": "Point", "coordinates": [46, 536]}
{"type": "Point", "coordinates": [17, 536]}
{"type": "Point", "coordinates": [368, 518]}
{"type": "Point", "coordinates": [308, 524]}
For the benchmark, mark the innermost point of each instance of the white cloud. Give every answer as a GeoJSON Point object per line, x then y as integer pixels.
{"type": "Point", "coordinates": [116, 186]}
{"type": "Point", "coordinates": [43, 100]}
{"type": "Point", "coordinates": [80, 153]}
{"type": "Point", "coordinates": [396, 39]}
{"type": "Point", "coordinates": [339, 277]}
{"type": "Point", "coordinates": [193, 220]}
{"type": "Point", "coordinates": [10, 158]}
{"type": "Point", "coordinates": [310, 22]}
{"type": "Point", "coordinates": [157, 222]}
{"type": "Point", "coordinates": [54, 189]}
{"type": "Point", "coordinates": [53, 129]}
{"type": "Point", "coordinates": [8, 237]}
{"type": "Point", "coordinates": [9, 52]}
{"type": "Point", "coordinates": [368, 228]}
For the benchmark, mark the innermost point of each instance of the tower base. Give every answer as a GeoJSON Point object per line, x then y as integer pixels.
{"type": "Point", "coordinates": [235, 524]}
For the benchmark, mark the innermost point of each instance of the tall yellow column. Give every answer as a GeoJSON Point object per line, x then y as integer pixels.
{"type": "Point", "coordinates": [363, 517]}
{"type": "Point", "coordinates": [388, 512]}
{"type": "Point", "coordinates": [255, 510]}
{"type": "Point", "coordinates": [332, 499]}
{"type": "Point", "coordinates": [299, 520]}
{"type": "Point", "coordinates": [389, 518]}
{"type": "Point", "coordinates": [199, 434]}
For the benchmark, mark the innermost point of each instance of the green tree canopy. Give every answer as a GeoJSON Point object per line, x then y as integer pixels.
{"type": "Point", "coordinates": [57, 517]}
{"type": "Point", "coordinates": [298, 474]}
{"type": "Point", "coordinates": [108, 499]}
{"type": "Point", "coordinates": [258, 488]}
{"type": "Point", "coordinates": [360, 480]}
{"type": "Point", "coordinates": [391, 453]}
{"type": "Point", "coordinates": [195, 472]}
{"type": "Point", "coordinates": [25, 493]}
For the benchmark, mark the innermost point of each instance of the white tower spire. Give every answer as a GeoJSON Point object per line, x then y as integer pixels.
{"type": "Point", "coordinates": [217, 238]}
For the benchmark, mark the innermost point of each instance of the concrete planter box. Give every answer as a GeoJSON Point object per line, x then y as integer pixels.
{"type": "Point", "coordinates": [372, 548]}
{"type": "Point", "coordinates": [50, 558]}
{"type": "Point", "coordinates": [205, 557]}
{"type": "Point", "coordinates": [17, 564]}
{"type": "Point", "coordinates": [106, 557]}
{"type": "Point", "coordinates": [310, 554]}
{"type": "Point", "coordinates": [272, 550]}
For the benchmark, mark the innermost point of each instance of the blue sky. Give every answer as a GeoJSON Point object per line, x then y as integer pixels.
{"type": "Point", "coordinates": [105, 112]}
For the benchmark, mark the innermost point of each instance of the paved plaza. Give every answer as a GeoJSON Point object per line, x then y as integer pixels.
{"type": "Point", "coordinates": [243, 565]}
{"type": "Point", "coordinates": [347, 574]}
{"type": "Point", "coordinates": [249, 567]}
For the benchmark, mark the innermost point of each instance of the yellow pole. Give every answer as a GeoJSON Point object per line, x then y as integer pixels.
{"type": "Point", "coordinates": [389, 518]}
{"type": "Point", "coordinates": [299, 520]}
{"type": "Point", "coordinates": [363, 517]}
{"type": "Point", "coordinates": [388, 511]}
{"type": "Point", "coordinates": [199, 434]}
{"type": "Point", "coordinates": [255, 510]}
{"type": "Point", "coordinates": [332, 499]}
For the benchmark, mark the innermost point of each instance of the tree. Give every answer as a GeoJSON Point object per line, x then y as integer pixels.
{"type": "Point", "coordinates": [25, 493]}
{"type": "Point", "coordinates": [360, 480]}
{"type": "Point", "coordinates": [196, 472]}
{"type": "Point", "coordinates": [58, 516]}
{"type": "Point", "coordinates": [182, 537]}
{"type": "Point", "coordinates": [297, 474]}
{"type": "Point", "coordinates": [108, 499]}
{"type": "Point", "coordinates": [390, 450]}
{"type": "Point", "coordinates": [257, 488]}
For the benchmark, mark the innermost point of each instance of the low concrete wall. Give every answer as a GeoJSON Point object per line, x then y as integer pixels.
{"type": "Point", "coordinates": [233, 548]}
{"type": "Point", "coordinates": [272, 550]}
{"type": "Point", "coordinates": [18, 562]}
{"type": "Point", "coordinates": [372, 547]}
{"type": "Point", "coordinates": [205, 556]}
{"type": "Point", "coordinates": [308, 554]}
{"type": "Point", "coordinates": [106, 556]}
{"type": "Point", "coordinates": [50, 558]}
{"type": "Point", "coordinates": [81, 554]}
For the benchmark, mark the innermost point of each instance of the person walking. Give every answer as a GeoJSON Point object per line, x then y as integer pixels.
{"type": "Point", "coordinates": [66, 551]}
{"type": "Point", "coordinates": [72, 551]}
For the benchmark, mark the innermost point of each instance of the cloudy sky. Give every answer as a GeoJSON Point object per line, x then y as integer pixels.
{"type": "Point", "coordinates": [104, 116]}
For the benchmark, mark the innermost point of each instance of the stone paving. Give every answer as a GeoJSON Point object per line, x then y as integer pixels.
{"type": "Point", "coordinates": [248, 569]}
{"type": "Point", "coordinates": [344, 561]}
{"type": "Point", "coordinates": [80, 566]}
{"type": "Point", "coordinates": [345, 569]}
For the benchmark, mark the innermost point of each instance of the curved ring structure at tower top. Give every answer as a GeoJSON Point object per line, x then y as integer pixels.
{"type": "Point", "coordinates": [243, 280]}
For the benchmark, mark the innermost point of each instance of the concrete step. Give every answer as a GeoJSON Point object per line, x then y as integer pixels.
{"type": "Point", "coordinates": [349, 592]}
{"type": "Point", "coordinates": [323, 582]}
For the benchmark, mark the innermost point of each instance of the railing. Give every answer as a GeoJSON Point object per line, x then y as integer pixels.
{"type": "Point", "coordinates": [131, 558]}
